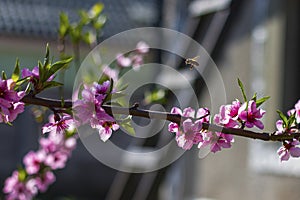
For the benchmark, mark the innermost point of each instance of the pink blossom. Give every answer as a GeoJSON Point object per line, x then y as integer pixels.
{"type": "Point", "coordinates": [10, 105]}
{"type": "Point", "coordinates": [296, 110]}
{"type": "Point", "coordinates": [17, 190]}
{"type": "Point", "coordinates": [142, 47]}
{"type": "Point", "coordinates": [123, 61]}
{"type": "Point", "coordinates": [252, 115]}
{"type": "Point", "coordinates": [216, 140]}
{"type": "Point", "coordinates": [89, 109]}
{"type": "Point", "coordinates": [191, 134]}
{"type": "Point", "coordinates": [56, 160]}
{"type": "Point", "coordinates": [44, 180]}
{"type": "Point", "coordinates": [59, 124]}
{"type": "Point", "coordinates": [105, 128]}
{"type": "Point", "coordinates": [33, 161]}
{"type": "Point", "coordinates": [228, 115]}
{"type": "Point", "coordinates": [90, 105]}
{"type": "Point", "coordinates": [201, 113]}
{"type": "Point", "coordinates": [137, 61]}
{"type": "Point", "coordinates": [187, 112]}
{"type": "Point", "coordinates": [289, 149]}
{"type": "Point", "coordinates": [34, 74]}
{"type": "Point", "coordinates": [111, 73]}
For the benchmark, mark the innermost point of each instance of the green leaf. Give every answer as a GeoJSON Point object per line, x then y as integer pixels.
{"type": "Point", "coordinates": [41, 72]}
{"type": "Point", "coordinates": [22, 81]}
{"type": "Point", "coordinates": [100, 22]}
{"type": "Point", "coordinates": [111, 86]}
{"type": "Point", "coordinates": [254, 97]}
{"type": "Point", "coordinates": [103, 78]}
{"type": "Point", "coordinates": [16, 73]}
{"type": "Point", "coordinates": [50, 84]}
{"type": "Point", "coordinates": [28, 88]}
{"type": "Point", "coordinates": [259, 102]}
{"type": "Point", "coordinates": [291, 120]}
{"type": "Point", "coordinates": [46, 59]}
{"type": "Point", "coordinates": [128, 127]}
{"type": "Point", "coordinates": [127, 119]}
{"type": "Point", "coordinates": [96, 10]}
{"type": "Point", "coordinates": [84, 17]}
{"type": "Point", "coordinates": [89, 37]}
{"type": "Point", "coordinates": [4, 77]}
{"type": "Point", "coordinates": [242, 89]}
{"type": "Point", "coordinates": [63, 24]}
{"type": "Point", "coordinates": [123, 87]}
{"type": "Point", "coordinates": [22, 174]}
{"type": "Point", "coordinates": [283, 117]}
{"type": "Point", "coordinates": [53, 68]}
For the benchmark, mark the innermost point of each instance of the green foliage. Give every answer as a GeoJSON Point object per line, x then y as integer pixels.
{"type": "Point", "coordinates": [22, 174]}
{"type": "Point", "coordinates": [64, 25]}
{"type": "Point", "coordinates": [155, 96]}
{"type": "Point", "coordinates": [242, 89]}
{"type": "Point", "coordinates": [4, 77]}
{"type": "Point", "coordinates": [16, 73]}
{"type": "Point", "coordinates": [126, 124]}
{"type": "Point", "coordinates": [260, 101]}
{"type": "Point", "coordinates": [86, 29]}
{"type": "Point", "coordinates": [48, 69]}
{"type": "Point", "coordinates": [288, 121]}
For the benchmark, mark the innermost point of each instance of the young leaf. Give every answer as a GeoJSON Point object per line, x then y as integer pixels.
{"type": "Point", "coordinates": [242, 89]}
{"type": "Point", "coordinates": [46, 59]}
{"type": "Point", "coordinates": [16, 73]}
{"type": "Point", "coordinates": [99, 23]}
{"type": "Point", "coordinates": [128, 127]}
{"type": "Point", "coordinates": [4, 77]}
{"type": "Point", "coordinates": [22, 174]}
{"type": "Point", "coordinates": [63, 24]}
{"type": "Point", "coordinates": [254, 97]}
{"type": "Point", "coordinates": [22, 81]}
{"type": "Point", "coordinates": [96, 10]}
{"type": "Point", "coordinates": [53, 68]}
{"type": "Point", "coordinates": [283, 117]}
{"type": "Point", "coordinates": [123, 87]}
{"type": "Point", "coordinates": [259, 102]}
{"type": "Point", "coordinates": [41, 72]}
{"type": "Point", "coordinates": [291, 120]}
{"type": "Point", "coordinates": [50, 84]}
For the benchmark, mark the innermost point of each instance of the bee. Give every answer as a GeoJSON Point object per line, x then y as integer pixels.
{"type": "Point", "coordinates": [192, 62]}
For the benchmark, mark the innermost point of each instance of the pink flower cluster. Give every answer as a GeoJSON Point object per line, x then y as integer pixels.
{"type": "Point", "coordinates": [135, 59]}
{"type": "Point", "coordinates": [190, 133]}
{"type": "Point", "coordinates": [89, 110]}
{"type": "Point", "coordinates": [10, 105]}
{"type": "Point", "coordinates": [289, 148]}
{"type": "Point", "coordinates": [53, 154]}
{"type": "Point", "coordinates": [233, 115]}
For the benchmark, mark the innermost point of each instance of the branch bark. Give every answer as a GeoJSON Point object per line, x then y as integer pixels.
{"type": "Point", "coordinates": [136, 111]}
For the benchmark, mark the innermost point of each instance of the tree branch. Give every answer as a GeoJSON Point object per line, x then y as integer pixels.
{"type": "Point", "coordinates": [176, 118]}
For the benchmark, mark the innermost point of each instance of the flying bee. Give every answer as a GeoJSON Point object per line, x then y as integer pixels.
{"type": "Point", "coordinates": [192, 62]}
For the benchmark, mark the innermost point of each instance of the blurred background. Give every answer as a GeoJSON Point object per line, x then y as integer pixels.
{"type": "Point", "coordinates": [257, 41]}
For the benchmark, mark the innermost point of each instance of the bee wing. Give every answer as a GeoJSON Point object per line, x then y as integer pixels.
{"type": "Point", "coordinates": [195, 58]}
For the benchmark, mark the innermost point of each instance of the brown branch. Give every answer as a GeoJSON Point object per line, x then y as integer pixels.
{"type": "Point", "coordinates": [136, 111]}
